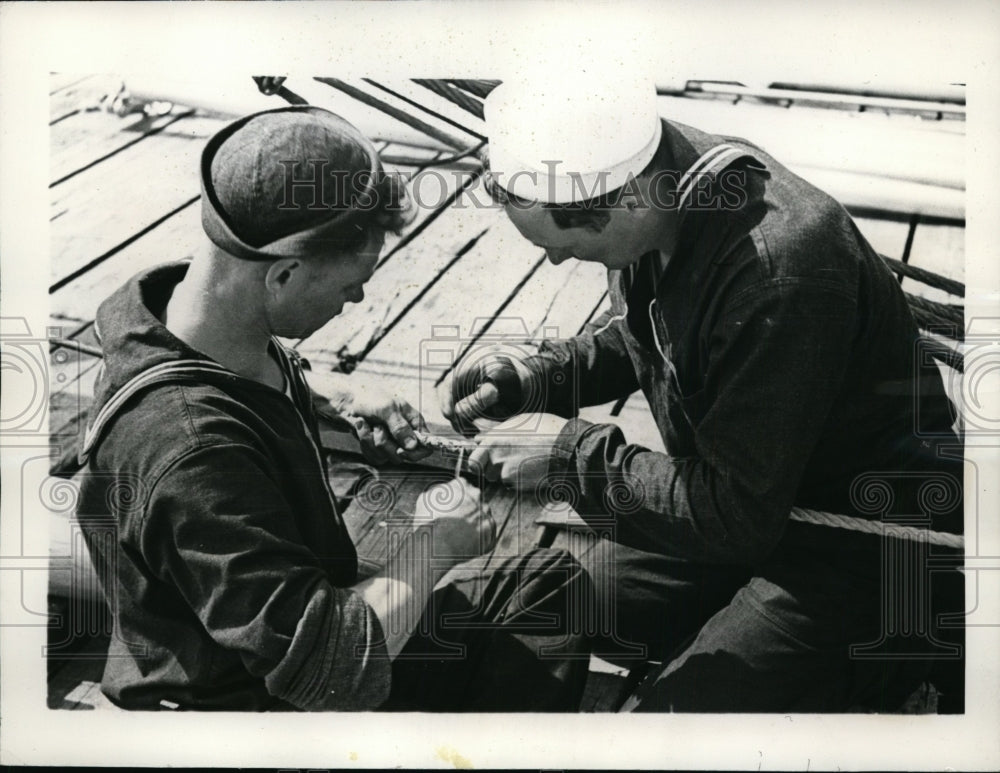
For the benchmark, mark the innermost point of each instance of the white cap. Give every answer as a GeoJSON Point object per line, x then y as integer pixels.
{"type": "Point", "coordinates": [559, 142]}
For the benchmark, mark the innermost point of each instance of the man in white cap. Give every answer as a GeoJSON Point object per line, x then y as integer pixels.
{"type": "Point", "coordinates": [231, 576]}
{"type": "Point", "coordinates": [780, 361]}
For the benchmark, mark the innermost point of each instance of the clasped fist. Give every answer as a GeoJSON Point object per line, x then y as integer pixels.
{"type": "Point", "coordinates": [485, 389]}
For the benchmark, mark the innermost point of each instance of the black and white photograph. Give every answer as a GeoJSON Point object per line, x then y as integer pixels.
{"type": "Point", "coordinates": [417, 385]}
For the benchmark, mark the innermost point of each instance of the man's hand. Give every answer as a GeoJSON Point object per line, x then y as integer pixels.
{"type": "Point", "coordinates": [516, 457]}
{"type": "Point", "coordinates": [461, 525]}
{"type": "Point", "coordinates": [384, 422]}
{"type": "Point", "coordinates": [486, 388]}
{"type": "Point", "coordinates": [460, 528]}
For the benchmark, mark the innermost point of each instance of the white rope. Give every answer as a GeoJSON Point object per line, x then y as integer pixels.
{"type": "Point", "coordinates": [852, 523]}
{"type": "Point", "coordinates": [442, 443]}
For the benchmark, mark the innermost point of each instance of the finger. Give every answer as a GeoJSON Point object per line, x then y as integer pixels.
{"type": "Point", "coordinates": [475, 405]}
{"type": "Point", "coordinates": [480, 456]}
{"type": "Point", "coordinates": [446, 400]}
{"type": "Point", "coordinates": [464, 380]}
{"type": "Point", "coordinates": [487, 535]}
{"type": "Point", "coordinates": [413, 416]}
{"type": "Point", "coordinates": [384, 443]}
{"type": "Point", "coordinates": [468, 376]}
{"type": "Point", "coordinates": [364, 434]}
{"type": "Point", "coordinates": [480, 459]}
{"type": "Point", "coordinates": [448, 396]}
{"type": "Point", "coordinates": [485, 425]}
{"type": "Point", "coordinates": [401, 432]}
{"type": "Point", "coordinates": [497, 367]}
{"type": "Point", "coordinates": [421, 452]}
{"type": "Point", "coordinates": [491, 528]}
{"type": "Point", "coordinates": [371, 452]}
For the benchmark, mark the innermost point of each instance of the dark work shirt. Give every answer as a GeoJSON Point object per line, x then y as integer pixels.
{"type": "Point", "coordinates": [782, 367]}
{"type": "Point", "coordinates": [205, 506]}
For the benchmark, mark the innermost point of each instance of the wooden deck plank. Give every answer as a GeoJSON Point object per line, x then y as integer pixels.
{"type": "Point", "coordinates": [602, 306]}
{"type": "Point", "coordinates": [558, 300]}
{"type": "Point", "coordinates": [399, 282]}
{"type": "Point", "coordinates": [63, 325]}
{"type": "Point", "coordinates": [430, 190]}
{"type": "Point", "coordinates": [66, 672]}
{"type": "Point", "coordinates": [638, 424]}
{"type": "Point", "coordinates": [86, 137]}
{"type": "Point", "coordinates": [80, 94]}
{"type": "Point", "coordinates": [61, 80]}
{"type": "Point", "coordinates": [100, 209]}
{"type": "Point", "coordinates": [176, 238]}
{"type": "Point", "coordinates": [389, 499]}
{"type": "Point", "coordinates": [72, 375]}
{"type": "Point", "coordinates": [69, 409]}
{"type": "Point", "coordinates": [472, 290]}
{"type": "Point", "coordinates": [67, 366]}
{"type": "Point", "coordinates": [602, 693]}
{"type": "Point", "coordinates": [87, 696]}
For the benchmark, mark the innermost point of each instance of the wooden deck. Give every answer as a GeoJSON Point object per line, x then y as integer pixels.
{"type": "Point", "coordinates": [125, 196]}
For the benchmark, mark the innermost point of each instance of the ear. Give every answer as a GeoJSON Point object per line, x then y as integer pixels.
{"type": "Point", "coordinates": [283, 274]}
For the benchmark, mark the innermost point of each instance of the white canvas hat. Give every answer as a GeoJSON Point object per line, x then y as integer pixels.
{"type": "Point", "coordinates": [559, 142]}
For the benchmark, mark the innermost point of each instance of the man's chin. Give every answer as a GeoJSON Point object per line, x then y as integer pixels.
{"type": "Point", "coordinates": [305, 333]}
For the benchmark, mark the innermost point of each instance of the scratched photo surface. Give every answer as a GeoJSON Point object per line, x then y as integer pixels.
{"type": "Point", "coordinates": [516, 465]}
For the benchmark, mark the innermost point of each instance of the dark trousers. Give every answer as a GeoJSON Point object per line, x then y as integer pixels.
{"type": "Point", "coordinates": [499, 635]}
{"type": "Point", "coordinates": [815, 629]}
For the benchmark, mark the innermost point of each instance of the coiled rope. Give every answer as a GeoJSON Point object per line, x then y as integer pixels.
{"type": "Point", "coordinates": [928, 278]}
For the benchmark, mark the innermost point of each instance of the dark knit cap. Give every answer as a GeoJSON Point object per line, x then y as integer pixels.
{"type": "Point", "coordinates": [273, 176]}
